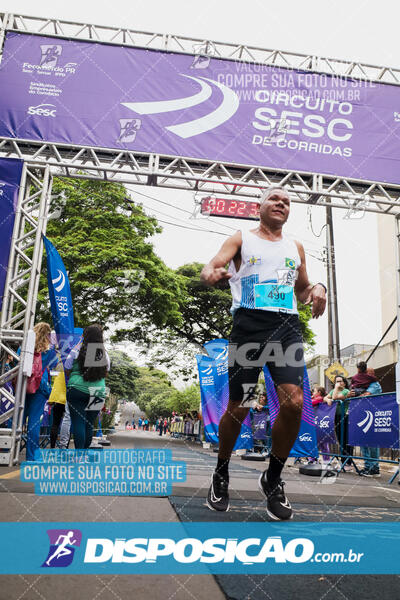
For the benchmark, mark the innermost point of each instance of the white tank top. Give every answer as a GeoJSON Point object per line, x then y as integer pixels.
{"type": "Point", "coordinates": [274, 264]}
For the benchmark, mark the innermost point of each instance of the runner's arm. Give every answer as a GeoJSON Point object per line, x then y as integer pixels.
{"type": "Point", "coordinates": [307, 293]}
{"type": "Point", "coordinates": [215, 270]}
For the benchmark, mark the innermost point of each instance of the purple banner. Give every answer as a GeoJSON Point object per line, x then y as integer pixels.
{"type": "Point", "coordinates": [374, 421]}
{"type": "Point", "coordinates": [10, 177]}
{"type": "Point", "coordinates": [214, 389]}
{"type": "Point", "coordinates": [260, 420]}
{"type": "Point", "coordinates": [93, 94]}
{"type": "Point", "coordinates": [306, 442]}
{"type": "Point", "coordinates": [325, 423]}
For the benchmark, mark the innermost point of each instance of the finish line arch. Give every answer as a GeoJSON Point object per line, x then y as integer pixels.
{"type": "Point", "coordinates": [46, 157]}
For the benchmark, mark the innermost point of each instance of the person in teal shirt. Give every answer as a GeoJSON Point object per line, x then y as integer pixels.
{"type": "Point", "coordinates": [86, 368]}
{"type": "Point", "coordinates": [340, 394]}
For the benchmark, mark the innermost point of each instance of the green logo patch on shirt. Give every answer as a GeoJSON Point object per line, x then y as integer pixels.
{"type": "Point", "coordinates": [290, 263]}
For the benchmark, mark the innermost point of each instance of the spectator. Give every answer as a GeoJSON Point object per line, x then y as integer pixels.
{"type": "Point", "coordinates": [57, 400]}
{"type": "Point", "coordinates": [340, 394]}
{"type": "Point", "coordinates": [165, 426]}
{"type": "Point", "coordinates": [86, 388]}
{"type": "Point", "coordinates": [140, 421]}
{"type": "Point", "coordinates": [65, 431]}
{"type": "Point", "coordinates": [371, 455]}
{"type": "Point", "coordinates": [133, 424]}
{"type": "Point", "coordinates": [35, 401]}
{"type": "Point", "coordinates": [361, 380]}
{"type": "Point", "coordinates": [317, 397]}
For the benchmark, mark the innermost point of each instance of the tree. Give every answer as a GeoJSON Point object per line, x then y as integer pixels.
{"type": "Point", "coordinates": [114, 273]}
{"type": "Point", "coordinates": [123, 376]}
{"type": "Point", "coordinates": [151, 384]}
{"type": "Point", "coordinates": [186, 400]}
{"type": "Point", "coordinates": [205, 315]}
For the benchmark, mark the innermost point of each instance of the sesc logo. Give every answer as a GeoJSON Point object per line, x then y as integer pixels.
{"type": "Point", "coordinates": [59, 281]}
{"type": "Point", "coordinates": [369, 419]}
{"type": "Point", "coordinates": [324, 422]}
{"type": "Point", "coordinates": [43, 110]}
{"type": "Point", "coordinates": [305, 437]}
{"type": "Point", "coordinates": [215, 117]}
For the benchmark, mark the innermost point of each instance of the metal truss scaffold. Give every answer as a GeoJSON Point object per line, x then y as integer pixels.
{"type": "Point", "coordinates": [126, 36]}
{"type": "Point", "coordinates": [19, 301]}
{"type": "Point", "coordinates": [206, 176]}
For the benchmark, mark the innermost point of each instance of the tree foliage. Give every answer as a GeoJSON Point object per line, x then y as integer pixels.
{"type": "Point", "coordinates": [151, 384]}
{"type": "Point", "coordinates": [123, 376]}
{"type": "Point", "coordinates": [103, 239]}
{"type": "Point", "coordinates": [205, 315]}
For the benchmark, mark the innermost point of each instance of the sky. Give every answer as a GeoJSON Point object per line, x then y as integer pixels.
{"type": "Point", "coordinates": [358, 30]}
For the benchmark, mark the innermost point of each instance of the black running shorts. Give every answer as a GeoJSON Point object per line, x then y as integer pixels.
{"type": "Point", "coordinates": [261, 338]}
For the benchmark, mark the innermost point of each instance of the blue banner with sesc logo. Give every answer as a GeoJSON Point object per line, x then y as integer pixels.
{"type": "Point", "coordinates": [374, 421]}
{"type": "Point", "coordinates": [214, 389]}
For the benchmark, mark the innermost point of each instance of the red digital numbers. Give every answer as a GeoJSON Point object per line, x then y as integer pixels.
{"type": "Point", "coordinates": [226, 207]}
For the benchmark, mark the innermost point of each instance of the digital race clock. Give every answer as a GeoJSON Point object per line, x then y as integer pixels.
{"type": "Point", "coordinates": [226, 207]}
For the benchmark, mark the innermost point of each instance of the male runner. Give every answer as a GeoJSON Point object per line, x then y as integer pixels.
{"type": "Point", "coordinates": [267, 272]}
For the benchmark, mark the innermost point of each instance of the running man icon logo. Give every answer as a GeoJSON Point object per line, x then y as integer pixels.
{"type": "Point", "coordinates": [128, 129]}
{"type": "Point", "coordinates": [50, 54]}
{"type": "Point", "coordinates": [369, 419]}
{"type": "Point", "coordinates": [62, 547]}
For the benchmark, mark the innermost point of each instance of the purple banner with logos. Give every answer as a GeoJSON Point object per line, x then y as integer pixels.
{"type": "Point", "coordinates": [260, 420]}
{"type": "Point", "coordinates": [374, 421]}
{"type": "Point", "coordinates": [306, 442]}
{"type": "Point", "coordinates": [93, 94]}
{"type": "Point", "coordinates": [214, 389]}
{"type": "Point", "coordinates": [325, 423]}
{"type": "Point", "coordinates": [10, 177]}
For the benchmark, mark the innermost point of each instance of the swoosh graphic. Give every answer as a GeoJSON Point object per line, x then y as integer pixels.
{"type": "Point", "coordinates": [207, 371]}
{"type": "Point", "coordinates": [225, 111]}
{"type": "Point", "coordinates": [61, 278]}
{"type": "Point", "coordinates": [162, 106]}
{"type": "Point", "coordinates": [368, 420]}
{"type": "Point", "coordinates": [222, 355]}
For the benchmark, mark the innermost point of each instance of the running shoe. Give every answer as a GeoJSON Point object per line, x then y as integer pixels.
{"type": "Point", "coordinates": [365, 472]}
{"type": "Point", "coordinates": [278, 506]}
{"type": "Point", "coordinates": [375, 472]}
{"type": "Point", "coordinates": [218, 497]}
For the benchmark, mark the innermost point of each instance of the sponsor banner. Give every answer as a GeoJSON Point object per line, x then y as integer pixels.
{"type": "Point", "coordinates": [260, 425]}
{"type": "Point", "coordinates": [59, 291]}
{"type": "Point", "coordinates": [374, 421]}
{"type": "Point", "coordinates": [306, 442]}
{"type": "Point", "coordinates": [214, 389]}
{"type": "Point", "coordinates": [93, 94]}
{"type": "Point", "coordinates": [249, 548]}
{"type": "Point", "coordinates": [210, 402]}
{"type": "Point", "coordinates": [10, 177]}
{"type": "Point", "coordinates": [325, 423]}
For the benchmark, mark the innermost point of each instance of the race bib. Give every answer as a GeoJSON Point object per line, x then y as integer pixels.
{"type": "Point", "coordinates": [272, 295]}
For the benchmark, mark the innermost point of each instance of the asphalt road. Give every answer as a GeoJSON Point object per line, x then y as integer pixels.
{"type": "Point", "coordinates": [348, 498]}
